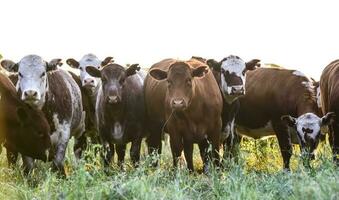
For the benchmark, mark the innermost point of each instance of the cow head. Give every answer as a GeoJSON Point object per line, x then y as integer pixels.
{"type": "Point", "coordinates": [88, 60]}
{"type": "Point", "coordinates": [232, 72]}
{"type": "Point", "coordinates": [32, 82]}
{"type": "Point", "coordinates": [31, 135]}
{"type": "Point", "coordinates": [180, 84]}
{"type": "Point", "coordinates": [113, 78]}
{"type": "Point", "coordinates": [308, 128]}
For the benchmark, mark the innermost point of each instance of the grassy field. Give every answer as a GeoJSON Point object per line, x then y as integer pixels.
{"type": "Point", "coordinates": [258, 175]}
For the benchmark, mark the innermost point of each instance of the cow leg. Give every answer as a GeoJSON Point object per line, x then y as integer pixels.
{"type": "Point", "coordinates": [58, 161]}
{"type": "Point", "coordinates": [188, 151]}
{"type": "Point", "coordinates": [231, 147]}
{"type": "Point", "coordinates": [203, 148]}
{"type": "Point", "coordinates": [80, 144]}
{"type": "Point", "coordinates": [121, 150]}
{"type": "Point", "coordinates": [154, 141]}
{"type": "Point", "coordinates": [108, 153]}
{"type": "Point", "coordinates": [12, 157]}
{"type": "Point", "coordinates": [284, 139]}
{"type": "Point", "coordinates": [176, 148]}
{"type": "Point", "coordinates": [335, 147]}
{"type": "Point", "coordinates": [135, 151]}
{"type": "Point", "coordinates": [28, 164]}
{"type": "Point", "coordinates": [215, 141]}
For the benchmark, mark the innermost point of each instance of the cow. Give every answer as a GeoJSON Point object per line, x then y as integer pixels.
{"type": "Point", "coordinates": [277, 100]}
{"type": "Point", "coordinates": [230, 74]}
{"type": "Point", "coordinates": [183, 99]}
{"type": "Point", "coordinates": [89, 86]}
{"type": "Point", "coordinates": [120, 110]}
{"type": "Point", "coordinates": [329, 91]}
{"type": "Point", "coordinates": [24, 129]}
{"type": "Point", "coordinates": [43, 85]}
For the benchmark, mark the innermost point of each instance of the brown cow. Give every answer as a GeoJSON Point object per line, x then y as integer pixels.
{"type": "Point", "coordinates": [23, 128]}
{"type": "Point", "coordinates": [329, 89]}
{"type": "Point", "coordinates": [184, 98]}
{"type": "Point", "coordinates": [275, 96]}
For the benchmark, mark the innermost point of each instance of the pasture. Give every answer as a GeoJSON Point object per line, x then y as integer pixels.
{"type": "Point", "coordinates": [257, 175]}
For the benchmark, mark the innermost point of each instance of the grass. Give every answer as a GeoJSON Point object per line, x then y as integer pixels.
{"type": "Point", "coordinates": [258, 175]}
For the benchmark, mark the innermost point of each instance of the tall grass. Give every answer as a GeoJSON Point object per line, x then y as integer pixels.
{"type": "Point", "coordinates": [257, 175]}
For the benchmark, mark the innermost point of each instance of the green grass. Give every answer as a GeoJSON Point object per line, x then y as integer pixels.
{"type": "Point", "coordinates": [258, 175]}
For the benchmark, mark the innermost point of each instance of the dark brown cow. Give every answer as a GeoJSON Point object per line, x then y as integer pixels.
{"type": "Point", "coordinates": [184, 97]}
{"type": "Point", "coordinates": [329, 89]}
{"type": "Point", "coordinates": [120, 110]}
{"type": "Point", "coordinates": [278, 98]}
{"type": "Point", "coordinates": [23, 128]}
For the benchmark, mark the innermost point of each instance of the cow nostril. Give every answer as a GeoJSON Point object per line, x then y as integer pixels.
{"type": "Point", "coordinates": [92, 81]}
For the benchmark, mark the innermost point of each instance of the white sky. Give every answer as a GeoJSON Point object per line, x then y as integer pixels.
{"type": "Point", "coordinates": [293, 33]}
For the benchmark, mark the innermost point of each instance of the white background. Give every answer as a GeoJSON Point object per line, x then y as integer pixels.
{"type": "Point", "coordinates": [296, 34]}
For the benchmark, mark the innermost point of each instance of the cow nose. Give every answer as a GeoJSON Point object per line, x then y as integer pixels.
{"type": "Point", "coordinates": [88, 81]}
{"type": "Point", "coordinates": [237, 90]}
{"type": "Point", "coordinates": [31, 94]}
{"type": "Point", "coordinates": [178, 103]}
{"type": "Point", "coordinates": [113, 99]}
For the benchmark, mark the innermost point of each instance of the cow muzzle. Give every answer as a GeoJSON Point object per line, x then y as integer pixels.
{"type": "Point", "coordinates": [31, 96]}
{"type": "Point", "coordinates": [89, 83]}
{"type": "Point", "coordinates": [114, 99]}
{"type": "Point", "coordinates": [237, 90]}
{"type": "Point", "coordinates": [178, 104]}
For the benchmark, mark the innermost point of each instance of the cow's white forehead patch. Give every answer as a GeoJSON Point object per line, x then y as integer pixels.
{"type": "Point", "coordinates": [308, 121]}
{"type": "Point", "coordinates": [298, 73]}
{"type": "Point", "coordinates": [89, 60]}
{"type": "Point", "coordinates": [32, 63]}
{"type": "Point", "coordinates": [233, 64]}
{"type": "Point", "coordinates": [318, 97]}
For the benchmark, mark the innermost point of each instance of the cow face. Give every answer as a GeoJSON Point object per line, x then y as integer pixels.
{"type": "Point", "coordinates": [308, 128]}
{"type": "Point", "coordinates": [113, 78]}
{"type": "Point", "coordinates": [87, 80]}
{"type": "Point", "coordinates": [232, 72]}
{"type": "Point", "coordinates": [31, 135]}
{"type": "Point", "coordinates": [32, 82]}
{"type": "Point", "coordinates": [180, 84]}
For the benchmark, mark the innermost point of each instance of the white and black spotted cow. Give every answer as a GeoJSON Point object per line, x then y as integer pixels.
{"type": "Point", "coordinates": [53, 90]}
{"type": "Point", "coordinates": [230, 74]}
{"type": "Point", "coordinates": [89, 86]}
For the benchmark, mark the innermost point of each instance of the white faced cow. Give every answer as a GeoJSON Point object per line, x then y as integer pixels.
{"type": "Point", "coordinates": [89, 86]}
{"type": "Point", "coordinates": [230, 74]}
{"type": "Point", "coordinates": [54, 91]}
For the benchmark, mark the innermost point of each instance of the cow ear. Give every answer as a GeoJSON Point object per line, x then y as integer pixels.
{"type": "Point", "coordinates": [72, 63]}
{"type": "Point", "coordinates": [53, 64]}
{"type": "Point", "coordinates": [93, 71]}
{"type": "Point", "coordinates": [214, 65]}
{"type": "Point", "coordinates": [253, 64]}
{"type": "Point", "coordinates": [106, 61]}
{"type": "Point", "coordinates": [290, 121]}
{"type": "Point", "coordinates": [200, 71]}
{"type": "Point", "coordinates": [328, 119]}
{"type": "Point", "coordinates": [158, 74]}
{"type": "Point", "coordinates": [22, 115]}
{"type": "Point", "coordinates": [10, 65]}
{"type": "Point", "coordinates": [132, 70]}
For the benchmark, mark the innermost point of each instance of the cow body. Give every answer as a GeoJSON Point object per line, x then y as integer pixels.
{"type": "Point", "coordinates": [54, 91]}
{"type": "Point", "coordinates": [120, 110]}
{"type": "Point", "coordinates": [329, 89]}
{"type": "Point", "coordinates": [89, 86]}
{"type": "Point", "coordinates": [183, 98]}
{"type": "Point", "coordinates": [24, 129]}
{"type": "Point", "coordinates": [273, 93]}
{"type": "Point", "coordinates": [230, 73]}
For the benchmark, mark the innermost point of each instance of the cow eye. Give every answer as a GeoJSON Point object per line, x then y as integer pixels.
{"type": "Point", "coordinates": [43, 74]}
{"type": "Point", "coordinates": [20, 74]}
{"type": "Point", "coordinates": [189, 81]}
{"type": "Point", "coordinates": [122, 81]}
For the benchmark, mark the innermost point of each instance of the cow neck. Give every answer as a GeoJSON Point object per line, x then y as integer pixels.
{"type": "Point", "coordinates": [115, 113]}
{"type": "Point", "coordinates": [305, 105]}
